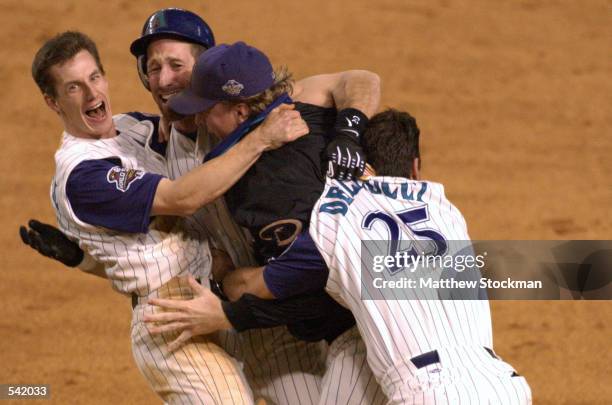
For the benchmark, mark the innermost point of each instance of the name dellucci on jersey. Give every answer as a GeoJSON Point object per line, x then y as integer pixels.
{"type": "Point", "coordinates": [343, 195]}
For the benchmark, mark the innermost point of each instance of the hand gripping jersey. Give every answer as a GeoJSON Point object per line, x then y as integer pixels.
{"type": "Point", "coordinates": [274, 198]}
{"type": "Point", "coordinates": [452, 338]}
{"type": "Point", "coordinates": [134, 262]}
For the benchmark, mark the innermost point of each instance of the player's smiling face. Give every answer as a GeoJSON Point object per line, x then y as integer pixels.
{"type": "Point", "coordinates": [169, 64]}
{"type": "Point", "coordinates": [81, 98]}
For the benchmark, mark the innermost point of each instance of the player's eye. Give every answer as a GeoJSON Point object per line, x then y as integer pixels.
{"type": "Point", "coordinates": [71, 88]}
{"type": "Point", "coordinates": [153, 69]}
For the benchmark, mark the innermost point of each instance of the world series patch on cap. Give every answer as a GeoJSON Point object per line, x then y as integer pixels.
{"type": "Point", "coordinates": [224, 73]}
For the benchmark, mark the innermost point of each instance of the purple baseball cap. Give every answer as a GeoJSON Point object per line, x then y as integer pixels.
{"type": "Point", "coordinates": [224, 73]}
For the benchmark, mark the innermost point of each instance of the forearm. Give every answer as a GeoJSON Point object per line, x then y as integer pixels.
{"type": "Point", "coordinates": [246, 280]}
{"type": "Point", "coordinates": [208, 181]}
{"type": "Point", "coordinates": [309, 317]}
{"type": "Point", "coordinates": [358, 89]}
{"type": "Point", "coordinates": [251, 312]}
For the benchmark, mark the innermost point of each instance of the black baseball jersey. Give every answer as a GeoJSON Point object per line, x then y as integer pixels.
{"type": "Point", "coordinates": [275, 197]}
{"type": "Point", "coordinates": [274, 200]}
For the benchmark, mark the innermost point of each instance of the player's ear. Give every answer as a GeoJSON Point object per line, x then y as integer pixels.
{"type": "Point", "coordinates": [52, 103]}
{"type": "Point", "coordinates": [416, 169]}
{"type": "Point", "coordinates": [242, 112]}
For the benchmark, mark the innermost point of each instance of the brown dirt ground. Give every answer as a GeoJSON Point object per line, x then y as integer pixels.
{"type": "Point", "coordinates": [511, 97]}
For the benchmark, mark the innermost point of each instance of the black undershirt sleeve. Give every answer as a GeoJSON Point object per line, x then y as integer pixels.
{"type": "Point", "coordinates": [310, 317]}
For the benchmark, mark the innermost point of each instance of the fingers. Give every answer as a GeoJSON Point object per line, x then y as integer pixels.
{"type": "Point", "coordinates": [38, 226]}
{"type": "Point", "coordinates": [196, 287]}
{"type": "Point", "coordinates": [359, 166]}
{"type": "Point", "coordinates": [179, 341]}
{"type": "Point", "coordinates": [168, 304]}
{"type": "Point", "coordinates": [345, 162]}
{"type": "Point", "coordinates": [284, 107]}
{"type": "Point", "coordinates": [331, 169]}
{"type": "Point", "coordinates": [44, 229]}
{"type": "Point", "coordinates": [23, 232]}
{"type": "Point", "coordinates": [166, 317]}
{"type": "Point", "coordinates": [33, 239]}
{"type": "Point", "coordinates": [166, 328]}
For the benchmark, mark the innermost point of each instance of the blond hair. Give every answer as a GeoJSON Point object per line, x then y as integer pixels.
{"type": "Point", "coordinates": [283, 83]}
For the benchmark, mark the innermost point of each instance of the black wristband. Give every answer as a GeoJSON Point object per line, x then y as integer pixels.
{"type": "Point", "coordinates": [351, 122]}
{"type": "Point", "coordinates": [240, 314]}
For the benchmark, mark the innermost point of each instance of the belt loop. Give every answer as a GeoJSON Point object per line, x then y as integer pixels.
{"type": "Point", "coordinates": [426, 359]}
{"type": "Point", "coordinates": [134, 300]}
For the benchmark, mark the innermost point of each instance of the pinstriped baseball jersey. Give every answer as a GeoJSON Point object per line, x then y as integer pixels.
{"type": "Point", "coordinates": [395, 331]}
{"type": "Point", "coordinates": [141, 262]}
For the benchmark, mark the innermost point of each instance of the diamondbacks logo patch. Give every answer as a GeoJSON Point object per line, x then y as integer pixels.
{"type": "Point", "coordinates": [232, 87]}
{"type": "Point", "coordinates": [282, 232]}
{"type": "Point", "coordinates": [123, 177]}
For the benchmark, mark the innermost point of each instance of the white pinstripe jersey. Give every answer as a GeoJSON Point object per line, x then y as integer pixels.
{"type": "Point", "coordinates": [394, 330]}
{"type": "Point", "coordinates": [214, 219]}
{"type": "Point", "coordinates": [134, 262]}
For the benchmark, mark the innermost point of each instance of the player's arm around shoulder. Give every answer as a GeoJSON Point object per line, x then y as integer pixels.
{"type": "Point", "coordinates": [359, 89]}
{"type": "Point", "coordinates": [211, 180]}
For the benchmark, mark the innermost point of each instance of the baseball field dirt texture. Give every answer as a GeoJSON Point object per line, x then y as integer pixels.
{"type": "Point", "coordinates": [513, 98]}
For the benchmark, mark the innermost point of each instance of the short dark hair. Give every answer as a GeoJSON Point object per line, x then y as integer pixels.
{"type": "Point", "coordinates": [57, 50]}
{"type": "Point", "coordinates": [391, 142]}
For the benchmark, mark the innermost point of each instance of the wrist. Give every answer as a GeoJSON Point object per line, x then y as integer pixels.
{"type": "Point", "coordinates": [351, 122]}
{"type": "Point", "coordinates": [255, 142]}
{"type": "Point", "coordinates": [224, 322]}
{"type": "Point", "coordinates": [239, 314]}
{"type": "Point", "coordinates": [87, 263]}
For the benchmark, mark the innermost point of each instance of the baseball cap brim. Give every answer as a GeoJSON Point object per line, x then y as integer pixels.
{"type": "Point", "coordinates": [188, 103]}
{"type": "Point", "coordinates": [140, 45]}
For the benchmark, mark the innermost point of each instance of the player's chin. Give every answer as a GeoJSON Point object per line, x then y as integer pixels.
{"type": "Point", "coordinates": [98, 128]}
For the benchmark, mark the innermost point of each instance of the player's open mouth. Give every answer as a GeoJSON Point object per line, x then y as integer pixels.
{"type": "Point", "coordinates": [98, 112]}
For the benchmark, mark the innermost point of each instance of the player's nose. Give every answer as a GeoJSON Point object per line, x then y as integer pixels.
{"type": "Point", "coordinates": [166, 76]}
{"type": "Point", "coordinates": [90, 92]}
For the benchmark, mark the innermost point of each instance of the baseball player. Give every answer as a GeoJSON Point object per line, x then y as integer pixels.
{"type": "Point", "coordinates": [432, 351]}
{"type": "Point", "coordinates": [110, 193]}
{"type": "Point", "coordinates": [421, 351]}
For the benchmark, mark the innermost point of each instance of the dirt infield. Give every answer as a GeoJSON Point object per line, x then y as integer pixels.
{"type": "Point", "coordinates": [513, 99]}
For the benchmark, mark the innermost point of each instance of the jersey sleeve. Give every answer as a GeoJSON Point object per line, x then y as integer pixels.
{"type": "Point", "coordinates": [310, 317]}
{"type": "Point", "coordinates": [300, 269]}
{"type": "Point", "coordinates": [103, 193]}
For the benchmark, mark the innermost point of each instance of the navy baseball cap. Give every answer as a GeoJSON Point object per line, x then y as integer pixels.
{"type": "Point", "coordinates": [224, 73]}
